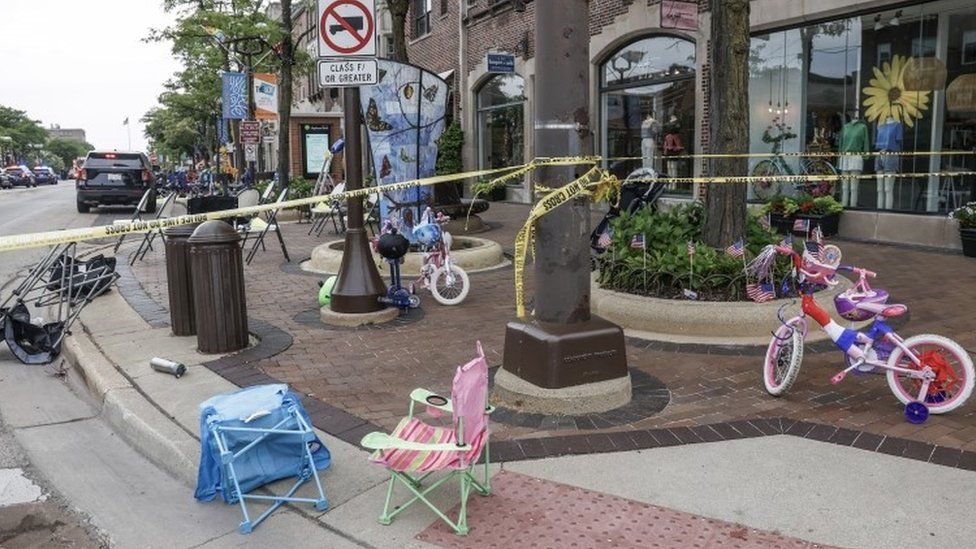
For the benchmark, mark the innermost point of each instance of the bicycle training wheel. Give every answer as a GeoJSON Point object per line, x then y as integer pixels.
{"type": "Point", "coordinates": [450, 287]}
{"type": "Point", "coordinates": [953, 369]}
{"type": "Point", "coordinates": [766, 188]}
{"type": "Point", "coordinates": [783, 358]}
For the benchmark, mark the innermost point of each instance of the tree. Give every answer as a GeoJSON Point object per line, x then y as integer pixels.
{"type": "Point", "coordinates": [398, 13]}
{"type": "Point", "coordinates": [67, 149]}
{"type": "Point", "coordinates": [23, 132]}
{"type": "Point", "coordinates": [285, 95]}
{"type": "Point", "coordinates": [725, 203]}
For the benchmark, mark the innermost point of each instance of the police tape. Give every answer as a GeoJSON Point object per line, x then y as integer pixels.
{"type": "Point", "coordinates": [809, 154]}
{"type": "Point", "coordinates": [49, 238]}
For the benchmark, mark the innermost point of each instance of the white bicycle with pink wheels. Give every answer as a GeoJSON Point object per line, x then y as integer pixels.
{"type": "Point", "coordinates": [928, 373]}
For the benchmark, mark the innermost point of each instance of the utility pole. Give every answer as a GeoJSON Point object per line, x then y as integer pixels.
{"type": "Point", "coordinates": [565, 360]}
{"type": "Point", "coordinates": [359, 286]}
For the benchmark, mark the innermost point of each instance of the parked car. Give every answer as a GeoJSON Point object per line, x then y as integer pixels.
{"type": "Point", "coordinates": [114, 178]}
{"type": "Point", "coordinates": [45, 175]}
{"type": "Point", "coordinates": [21, 175]}
{"type": "Point", "coordinates": [6, 182]}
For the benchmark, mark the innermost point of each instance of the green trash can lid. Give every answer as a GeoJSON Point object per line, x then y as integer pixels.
{"type": "Point", "coordinates": [214, 232]}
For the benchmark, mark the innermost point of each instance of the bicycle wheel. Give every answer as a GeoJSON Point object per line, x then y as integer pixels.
{"type": "Point", "coordinates": [952, 366]}
{"type": "Point", "coordinates": [766, 188]}
{"type": "Point", "coordinates": [817, 166]}
{"type": "Point", "coordinates": [783, 357]}
{"type": "Point", "coordinates": [450, 287]}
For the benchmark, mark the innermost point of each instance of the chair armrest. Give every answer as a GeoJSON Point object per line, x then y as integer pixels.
{"type": "Point", "coordinates": [382, 441]}
{"type": "Point", "coordinates": [420, 396]}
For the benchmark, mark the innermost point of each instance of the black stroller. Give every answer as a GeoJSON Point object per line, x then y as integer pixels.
{"type": "Point", "coordinates": [640, 189]}
{"type": "Point", "coordinates": [65, 285]}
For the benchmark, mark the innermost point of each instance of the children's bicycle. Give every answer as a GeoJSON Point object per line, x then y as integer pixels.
{"type": "Point", "coordinates": [447, 282]}
{"type": "Point", "coordinates": [928, 373]}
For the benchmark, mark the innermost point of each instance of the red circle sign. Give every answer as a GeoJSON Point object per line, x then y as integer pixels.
{"type": "Point", "coordinates": [361, 39]}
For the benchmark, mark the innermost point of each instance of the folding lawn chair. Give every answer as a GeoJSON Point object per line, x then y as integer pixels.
{"type": "Point", "coordinates": [329, 210]}
{"type": "Point", "coordinates": [259, 228]}
{"type": "Point", "coordinates": [416, 450]}
{"type": "Point", "coordinates": [136, 216]}
{"type": "Point", "coordinates": [373, 212]}
{"type": "Point", "coordinates": [255, 436]}
{"type": "Point", "coordinates": [162, 212]}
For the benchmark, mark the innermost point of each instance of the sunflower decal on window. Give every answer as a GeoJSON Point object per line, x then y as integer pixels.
{"type": "Point", "coordinates": [886, 95]}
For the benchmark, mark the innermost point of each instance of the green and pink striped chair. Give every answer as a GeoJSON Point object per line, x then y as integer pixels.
{"type": "Point", "coordinates": [417, 450]}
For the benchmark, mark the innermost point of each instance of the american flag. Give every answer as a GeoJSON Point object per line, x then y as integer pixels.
{"type": "Point", "coordinates": [691, 248]}
{"type": "Point", "coordinates": [815, 249]}
{"type": "Point", "coordinates": [690, 294]}
{"type": "Point", "coordinates": [605, 240]}
{"type": "Point", "coordinates": [765, 222]}
{"type": "Point", "coordinates": [737, 249]}
{"type": "Point", "coordinates": [637, 242]}
{"type": "Point", "coordinates": [802, 225]}
{"type": "Point", "coordinates": [817, 234]}
{"type": "Point", "coordinates": [787, 241]}
{"type": "Point", "coordinates": [760, 292]}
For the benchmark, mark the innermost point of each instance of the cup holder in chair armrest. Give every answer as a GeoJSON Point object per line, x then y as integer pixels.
{"type": "Point", "coordinates": [436, 400]}
{"type": "Point", "coordinates": [432, 399]}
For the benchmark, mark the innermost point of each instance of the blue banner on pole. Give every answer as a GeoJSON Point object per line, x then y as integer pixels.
{"type": "Point", "coordinates": [234, 95]}
{"type": "Point", "coordinates": [223, 137]}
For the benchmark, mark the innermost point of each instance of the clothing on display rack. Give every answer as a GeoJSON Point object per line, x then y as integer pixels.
{"type": "Point", "coordinates": [889, 139]}
{"type": "Point", "coordinates": [853, 143]}
{"type": "Point", "coordinates": [673, 145]}
{"type": "Point", "coordinates": [650, 129]}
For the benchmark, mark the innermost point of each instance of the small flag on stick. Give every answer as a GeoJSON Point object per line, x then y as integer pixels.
{"type": "Point", "coordinates": [638, 242]}
{"type": "Point", "coordinates": [802, 225]}
{"type": "Point", "coordinates": [737, 249]}
{"type": "Point", "coordinates": [765, 222]}
{"type": "Point", "coordinates": [817, 234]}
{"type": "Point", "coordinates": [760, 292]}
{"type": "Point", "coordinates": [605, 240]}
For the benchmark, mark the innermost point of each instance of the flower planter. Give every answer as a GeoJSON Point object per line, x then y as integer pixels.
{"type": "Point", "coordinates": [968, 237]}
{"type": "Point", "coordinates": [828, 223]}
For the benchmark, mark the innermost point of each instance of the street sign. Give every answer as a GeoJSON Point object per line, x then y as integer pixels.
{"type": "Point", "coordinates": [347, 28]}
{"type": "Point", "coordinates": [501, 62]}
{"type": "Point", "coordinates": [250, 152]}
{"type": "Point", "coordinates": [250, 131]}
{"type": "Point", "coordinates": [344, 73]}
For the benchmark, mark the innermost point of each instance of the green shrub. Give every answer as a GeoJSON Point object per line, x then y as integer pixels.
{"type": "Point", "coordinates": [663, 269]}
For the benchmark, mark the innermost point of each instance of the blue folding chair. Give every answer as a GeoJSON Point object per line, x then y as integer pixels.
{"type": "Point", "coordinates": [255, 436]}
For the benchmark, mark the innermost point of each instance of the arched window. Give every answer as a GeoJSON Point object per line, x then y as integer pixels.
{"type": "Point", "coordinates": [501, 121]}
{"type": "Point", "coordinates": [647, 92]}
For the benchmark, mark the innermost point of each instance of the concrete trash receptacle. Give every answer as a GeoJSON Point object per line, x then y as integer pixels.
{"type": "Point", "coordinates": [178, 280]}
{"type": "Point", "coordinates": [217, 271]}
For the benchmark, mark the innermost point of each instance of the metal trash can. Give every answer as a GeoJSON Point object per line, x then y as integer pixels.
{"type": "Point", "coordinates": [217, 270]}
{"type": "Point", "coordinates": [178, 279]}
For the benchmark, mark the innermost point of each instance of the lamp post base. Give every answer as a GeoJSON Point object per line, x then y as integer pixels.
{"type": "Point", "coordinates": [358, 286]}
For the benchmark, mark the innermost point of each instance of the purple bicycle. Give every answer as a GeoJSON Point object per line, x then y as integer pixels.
{"type": "Point", "coordinates": [927, 373]}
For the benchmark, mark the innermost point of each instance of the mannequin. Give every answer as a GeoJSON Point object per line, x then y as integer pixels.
{"type": "Point", "coordinates": [673, 145]}
{"type": "Point", "coordinates": [853, 142]}
{"type": "Point", "coordinates": [650, 128]}
{"type": "Point", "coordinates": [889, 139]}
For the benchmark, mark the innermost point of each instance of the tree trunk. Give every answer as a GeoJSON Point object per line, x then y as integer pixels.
{"type": "Point", "coordinates": [284, 96]}
{"type": "Point", "coordinates": [725, 203]}
{"type": "Point", "coordinates": [398, 13]}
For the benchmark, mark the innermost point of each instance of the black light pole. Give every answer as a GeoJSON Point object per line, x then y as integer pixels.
{"type": "Point", "coordinates": [358, 286]}
{"type": "Point", "coordinates": [563, 345]}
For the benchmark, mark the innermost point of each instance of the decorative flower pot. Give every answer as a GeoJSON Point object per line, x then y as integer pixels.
{"type": "Point", "coordinates": [968, 237]}
{"type": "Point", "coordinates": [828, 223]}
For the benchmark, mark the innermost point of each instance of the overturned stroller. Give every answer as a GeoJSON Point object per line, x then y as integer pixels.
{"type": "Point", "coordinates": [64, 286]}
{"type": "Point", "coordinates": [642, 188]}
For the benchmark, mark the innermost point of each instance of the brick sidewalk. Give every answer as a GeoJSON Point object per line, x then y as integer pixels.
{"type": "Point", "coordinates": [369, 372]}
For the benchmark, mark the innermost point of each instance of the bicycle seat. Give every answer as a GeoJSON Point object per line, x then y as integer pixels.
{"type": "Point", "coordinates": [892, 311]}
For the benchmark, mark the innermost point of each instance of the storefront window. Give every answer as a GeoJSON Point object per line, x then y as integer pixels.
{"type": "Point", "coordinates": [501, 121]}
{"type": "Point", "coordinates": [647, 93]}
{"type": "Point", "coordinates": [877, 82]}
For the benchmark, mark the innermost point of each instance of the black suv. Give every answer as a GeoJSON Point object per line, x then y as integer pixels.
{"type": "Point", "coordinates": [115, 178]}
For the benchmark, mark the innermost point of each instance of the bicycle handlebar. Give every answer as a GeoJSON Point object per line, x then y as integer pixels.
{"type": "Point", "coordinates": [857, 270]}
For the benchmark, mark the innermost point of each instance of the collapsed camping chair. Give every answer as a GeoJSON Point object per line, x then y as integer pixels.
{"type": "Point", "coordinates": [255, 436]}
{"type": "Point", "coordinates": [64, 285]}
{"type": "Point", "coordinates": [258, 228]}
{"type": "Point", "coordinates": [163, 211]}
{"type": "Point", "coordinates": [642, 188]}
{"type": "Point", "coordinates": [416, 450]}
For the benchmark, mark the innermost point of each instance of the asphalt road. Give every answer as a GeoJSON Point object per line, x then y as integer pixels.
{"type": "Point", "coordinates": [33, 513]}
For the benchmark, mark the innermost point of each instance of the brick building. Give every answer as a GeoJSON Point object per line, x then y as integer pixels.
{"type": "Point", "coordinates": [811, 66]}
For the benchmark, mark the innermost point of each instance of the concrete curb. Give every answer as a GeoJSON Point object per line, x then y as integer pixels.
{"type": "Point", "coordinates": [130, 414]}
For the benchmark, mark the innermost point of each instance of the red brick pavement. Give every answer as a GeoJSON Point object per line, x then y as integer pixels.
{"type": "Point", "coordinates": [369, 373]}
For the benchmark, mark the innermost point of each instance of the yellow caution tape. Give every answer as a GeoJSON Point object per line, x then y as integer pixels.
{"type": "Point", "coordinates": [827, 154]}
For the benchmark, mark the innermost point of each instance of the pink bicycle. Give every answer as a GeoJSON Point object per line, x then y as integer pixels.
{"type": "Point", "coordinates": [928, 373]}
{"type": "Point", "coordinates": [447, 282]}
